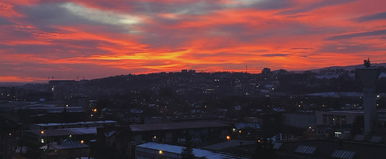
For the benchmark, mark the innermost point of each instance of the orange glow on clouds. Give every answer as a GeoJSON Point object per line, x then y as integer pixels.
{"type": "Point", "coordinates": [41, 39]}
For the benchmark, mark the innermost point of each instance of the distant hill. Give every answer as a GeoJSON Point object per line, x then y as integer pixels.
{"type": "Point", "coordinates": [11, 84]}
{"type": "Point", "coordinates": [347, 68]}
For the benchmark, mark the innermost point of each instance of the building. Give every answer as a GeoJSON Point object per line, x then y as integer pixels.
{"type": "Point", "coordinates": [152, 150]}
{"type": "Point", "coordinates": [299, 119]}
{"type": "Point", "coordinates": [8, 133]}
{"type": "Point", "coordinates": [338, 118]}
{"type": "Point", "coordinates": [329, 149]}
{"type": "Point", "coordinates": [347, 123]}
{"type": "Point", "coordinates": [67, 149]}
{"type": "Point", "coordinates": [368, 76]}
{"type": "Point", "coordinates": [48, 126]}
{"type": "Point", "coordinates": [176, 132]}
{"type": "Point", "coordinates": [121, 141]}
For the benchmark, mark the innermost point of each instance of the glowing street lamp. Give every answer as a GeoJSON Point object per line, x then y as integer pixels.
{"type": "Point", "coordinates": [160, 152]}
{"type": "Point", "coordinates": [228, 138]}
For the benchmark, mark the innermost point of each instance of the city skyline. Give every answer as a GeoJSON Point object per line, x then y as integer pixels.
{"type": "Point", "coordinates": [92, 39]}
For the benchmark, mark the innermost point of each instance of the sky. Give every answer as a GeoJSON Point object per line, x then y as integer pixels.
{"type": "Point", "coordinates": [86, 39]}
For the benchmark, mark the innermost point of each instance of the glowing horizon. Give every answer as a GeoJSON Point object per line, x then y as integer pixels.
{"type": "Point", "coordinates": [77, 39]}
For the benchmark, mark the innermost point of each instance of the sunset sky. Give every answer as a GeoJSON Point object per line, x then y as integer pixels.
{"type": "Point", "coordinates": [78, 39]}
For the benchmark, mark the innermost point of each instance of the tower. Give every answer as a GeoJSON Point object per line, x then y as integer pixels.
{"type": "Point", "coordinates": [368, 76]}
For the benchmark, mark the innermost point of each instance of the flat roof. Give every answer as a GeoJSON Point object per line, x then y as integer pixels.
{"type": "Point", "coordinates": [179, 149]}
{"type": "Point", "coordinates": [177, 125]}
{"type": "Point", "coordinates": [67, 146]}
{"type": "Point", "coordinates": [67, 131]}
{"type": "Point", "coordinates": [77, 123]}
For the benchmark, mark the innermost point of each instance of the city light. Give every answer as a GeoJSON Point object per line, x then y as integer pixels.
{"type": "Point", "coordinates": [42, 141]}
{"type": "Point", "coordinates": [228, 138]}
{"type": "Point", "coordinates": [160, 152]}
{"type": "Point", "coordinates": [94, 110]}
{"type": "Point", "coordinates": [82, 141]}
{"type": "Point", "coordinates": [42, 132]}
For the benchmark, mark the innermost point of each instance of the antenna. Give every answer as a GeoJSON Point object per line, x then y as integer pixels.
{"type": "Point", "coordinates": [367, 62]}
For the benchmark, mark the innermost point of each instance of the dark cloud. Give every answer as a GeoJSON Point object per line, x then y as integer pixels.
{"type": "Point", "coordinates": [378, 16]}
{"type": "Point", "coordinates": [187, 8]}
{"type": "Point", "coordinates": [58, 48]}
{"type": "Point", "coordinates": [316, 5]}
{"type": "Point", "coordinates": [221, 54]}
{"type": "Point", "coordinates": [274, 4]}
{"type": "Point", "coordinates": [4, 21]}
{"type": "Point", "coordinates": [48, 16]}
{"type": "Point", "coordinates": [275, 55]}
{"type": "Point", "coordinates": [356, 35]}
{"type": "Point", "coordinates": [301, 48]}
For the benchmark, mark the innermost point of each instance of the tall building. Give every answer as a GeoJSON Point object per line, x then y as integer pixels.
{"type": "Point", "coordinates": [368, 76]}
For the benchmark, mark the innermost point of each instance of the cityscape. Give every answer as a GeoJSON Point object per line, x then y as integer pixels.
{"type": "Point", "coordinates": [192, 79]}
{"type": "Point", "coordinates": [336, 112]}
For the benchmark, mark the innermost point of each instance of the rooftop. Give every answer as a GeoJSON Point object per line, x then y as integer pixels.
{"type": "Point", "coordinates": [76, 123]}
{"type": "Point", "coordinates": [339, 149]}
{"type": "Point", "coordinates": [177, 125]}
{"type": "Point", "coordinates": [178, 150]}
{"type": "Point", "coordinates": [66, 131]}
